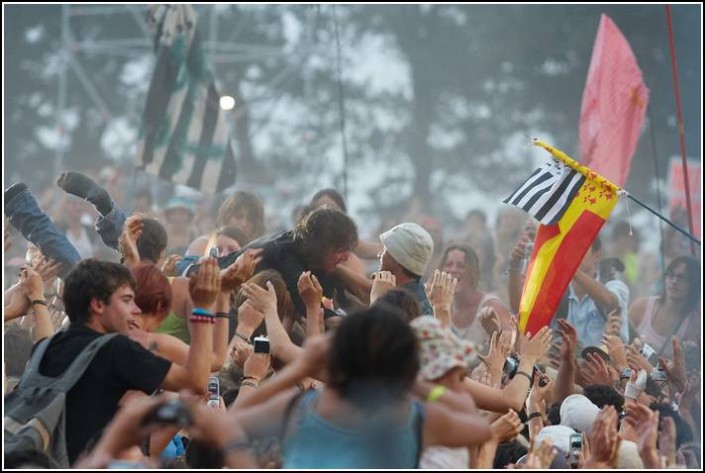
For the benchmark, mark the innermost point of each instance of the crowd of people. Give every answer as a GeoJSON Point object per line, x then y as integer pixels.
{"type": "Point", "coordinates": [310, 347]}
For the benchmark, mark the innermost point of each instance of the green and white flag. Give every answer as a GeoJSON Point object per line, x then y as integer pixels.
{"type": "Point", "coordinates": [184, 136]}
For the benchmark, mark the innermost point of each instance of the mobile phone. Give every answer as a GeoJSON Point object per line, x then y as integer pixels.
{"type": "Point", "coordinates": [646, 351]}
{"type": "Point", "coordinates": [213, 253]}
{"type": "Point", "coordinates": [171, 412]}
{"type": "Point", "coordinates": [213, 391]}
{"type": "Point", "coordinates": [261, 345]}
{"type": "Point", "coordinates": [576, 449]}
{"type": "Point", "coordinates": [658, 375]}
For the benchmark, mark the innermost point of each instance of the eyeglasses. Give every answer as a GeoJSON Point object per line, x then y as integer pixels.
{"type": "Point", "coordinates": [678, 277]}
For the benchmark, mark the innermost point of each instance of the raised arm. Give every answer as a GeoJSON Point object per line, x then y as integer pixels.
{"type": "Point", "coordinates": [358, 285]}
{"type": "Point", "coordinates": [204, 288]}
{"type": "Point", "coordinates": [33, 286]}
{"type": "Point", "coordinates": [311, 293]}
{"type": "Point", "coordinates": [265, 301]}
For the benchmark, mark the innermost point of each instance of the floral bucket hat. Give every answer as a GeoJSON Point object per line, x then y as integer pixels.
{"type": "Point", "coordinates": [440, 349]}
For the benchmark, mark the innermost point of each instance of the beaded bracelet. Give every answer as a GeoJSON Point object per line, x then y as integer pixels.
{"type": "Point", "coordinates": [201, 319]}
{"type": "Point", "coordinates": [203, 312]}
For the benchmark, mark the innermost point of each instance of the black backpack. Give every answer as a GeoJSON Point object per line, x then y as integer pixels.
{"type": "Point", "coordinates": [35, 417]}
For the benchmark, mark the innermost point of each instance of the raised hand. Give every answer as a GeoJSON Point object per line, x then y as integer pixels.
{"type": "Point", "coordinates": [618, 354]}
{"type": "Point", "coordinates": [675, 370]}
{"type": "Point", "coordinates": [169, 266]}
{"type": "Point", "coordinates": [596, 371]}
{"type": "Point", "coordinates": [310, 290]}
{"type": "Point", "coordinates": [241, 352]}
{"type": "Point", "coordinates": [507, 427]}
{"type": "Point", "coordinates": [257, 366]}
{"type": "Point", "coordinates": [127, 243]}
{"type": "Point", "coordinates": [31, 283]}
{"type": "Point", "coordinates": [441, 290]}
{"type": "Point", "coordinates": [604, 437]}
{"type": "Point", "coordinates": [262, 300]}
{"type": "Point", "coordinates": [645, 423]}
{"type": "Point", "coordinates": [383, 282]}
{"type": "Point", "coordinates": [536, 347]}
{"type": "Point", "coordinates": [541, 458]}
{"type": "Point", "coordinates": [489, 319]}
{"type": "Point", "coordinates": [205, 285]}
{"type": "Point", "coordinates": [637, 359]}
{"type": "Point", "coordinates": [500, 348]}
{"type": "Point", "coordinates": [48, 269]}
{"type": "Point", "coordinates": [248, 318]}
{"type": "Point", "coordinates": [241, 270]}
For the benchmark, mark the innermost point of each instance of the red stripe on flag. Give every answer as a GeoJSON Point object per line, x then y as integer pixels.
{"type": "Point", "coordinates": [565, 262]}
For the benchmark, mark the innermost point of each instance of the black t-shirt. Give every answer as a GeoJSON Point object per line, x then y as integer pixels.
{"type": "Point", "coordinates": [280, 254]}
{"type": "Point", "coordinates": [121, 365]}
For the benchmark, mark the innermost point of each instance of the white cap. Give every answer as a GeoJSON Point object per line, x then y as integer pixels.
{"type": "Point", "coordinates": [410, 245]}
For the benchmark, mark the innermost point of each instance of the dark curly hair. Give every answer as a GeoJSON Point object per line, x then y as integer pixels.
{"type": "Point", "coordinates": [322, 232]}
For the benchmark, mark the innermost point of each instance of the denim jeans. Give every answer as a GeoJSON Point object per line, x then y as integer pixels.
{"type": "Point", "coordinates": [25, 215]}
{"type": "Point", "coordinates": [109, 227]}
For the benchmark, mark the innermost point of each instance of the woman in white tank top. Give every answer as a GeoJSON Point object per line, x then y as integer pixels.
{"type": "Point", "coordinates": [462, 263]}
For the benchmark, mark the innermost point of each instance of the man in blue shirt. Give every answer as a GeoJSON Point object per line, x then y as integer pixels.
{"type": "Point", "coordinates": [590, 302]}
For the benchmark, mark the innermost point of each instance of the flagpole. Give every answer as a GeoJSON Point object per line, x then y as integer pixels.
{"type": "Point", "coordinates": [681, 128]}
{"type": "Point", "coordinates": [693, 240]}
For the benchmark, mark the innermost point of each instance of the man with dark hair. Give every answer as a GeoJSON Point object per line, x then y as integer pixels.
{"type": "Point", "coordinates": [100, 298]}
{"type": "Point", "coordinates": [318, 243]}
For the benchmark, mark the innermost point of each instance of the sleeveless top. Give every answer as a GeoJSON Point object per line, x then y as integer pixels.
{"type": "Point", "coordinates": [175, 325]}
{"type": "Point", "coordinates": [316, 443]}
{"type": "Point", "coordinates": [654, 339]}
{"type": "Point", "coordinates": [474, 332]}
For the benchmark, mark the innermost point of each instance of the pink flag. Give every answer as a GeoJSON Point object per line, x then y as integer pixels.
{"type": "Point", "coordinates": [614, 104]}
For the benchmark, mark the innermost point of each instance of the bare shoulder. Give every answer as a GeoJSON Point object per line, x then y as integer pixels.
{"type": "Point", "coordinates": [637, 310]}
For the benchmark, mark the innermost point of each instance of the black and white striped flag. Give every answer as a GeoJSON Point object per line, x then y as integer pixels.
{"type": "Point", "coordinates": [184, 137]}
{"type": "Point", "coordinates": [548, 192]}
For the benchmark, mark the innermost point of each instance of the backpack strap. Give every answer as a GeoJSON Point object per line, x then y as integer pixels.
{"type": "Point", "coordinates": [78, 366]}
{"type": "Point", "coordinates": [83, 360]}
{"type": "Point", "coordinates": [36, 359]}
